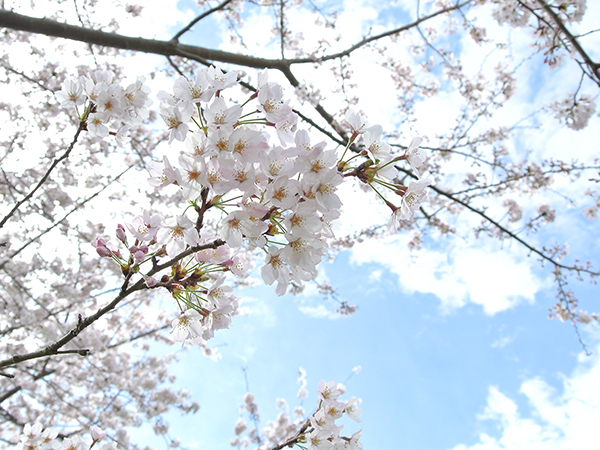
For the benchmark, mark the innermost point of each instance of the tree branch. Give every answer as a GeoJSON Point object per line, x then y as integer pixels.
{"type": "Point", "coordinates": [172, 48]}
{"type": "Point", "coordinates": [82, 323]}
{"type": "Point", "coordinates": [58, 222]}
{"type": "Point", "coordinates": [366, 41]}
{"type": "Point", "coordinates": [199, 18]}
{"type": "Point", "coordinates": [49, 27]}
{"type": "Point", "coordinates": [531, 248]}
{"type": "Point", "coordinates": [595, 67]}
{"type": "Point", "coordinates": [31, 80]}
{"type": "Point", "coordinates": [46, 175]}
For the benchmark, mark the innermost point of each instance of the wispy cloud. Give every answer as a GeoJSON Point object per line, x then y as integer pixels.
{"type": "Point", "coordinates": [319, 312]}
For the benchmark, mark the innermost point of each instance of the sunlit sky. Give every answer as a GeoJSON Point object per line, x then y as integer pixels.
{"type": "Point", "coordinates": [453, 341]}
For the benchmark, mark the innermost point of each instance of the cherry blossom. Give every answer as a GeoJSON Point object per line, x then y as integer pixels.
{"type": "Point", "coordinates": [176, 118]}
{"type": "Point", "coordinates": [71, 94]}
{"type": "Point", "coordinates": [187, 326]}
{"type": "Point", "coordinates": [176, 233]}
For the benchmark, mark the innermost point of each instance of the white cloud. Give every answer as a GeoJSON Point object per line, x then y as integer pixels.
{"type": "Point", "coordinates": [564, 420]}
{"type": "Point", "coordinates": [313, 303]}
{"type": "Point", "coordinates": [503, 341]}
{"type": "Point", "coordinates": [319, 312]}
{"type": "Point", "coordinates": [495, 279]}
{"type": "Point", "coordinates": [260, 311]}
{"type": "Point", "coordinates": [375, 275]}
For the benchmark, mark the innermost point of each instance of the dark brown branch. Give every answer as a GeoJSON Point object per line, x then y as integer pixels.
{"type": "Point", "coordinates": [595, 67]}
{"type": "Point", "coordinates": [320, 128]}
{"type": "Point", "coordinates": [46, 372]}
{"type": "Point", "coordinates": [49, 27]}
{"type": "Point", "coordinates": [167, 48]}
{"type": "Point", "coordinates": [172, 48]}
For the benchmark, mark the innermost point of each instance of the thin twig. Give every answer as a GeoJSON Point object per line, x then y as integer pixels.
{"type": "Point", "coordinates": [199, 18]}
{"type": "Point", "coordinates": [398, 30]}
{"type": "Point", "coordinates": [46, 175]}
{"type": "Point", "coordinates": [54, 225]}
{"type": "Point", "coordinates": [31, 80]}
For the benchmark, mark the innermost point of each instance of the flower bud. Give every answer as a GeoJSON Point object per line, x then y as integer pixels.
{"type": "Point", "coordinates": [121, 235]}
{"type": "Point", "coordinates": [97, 434]}
{"type": "Point", "coordinates": [103, 252]}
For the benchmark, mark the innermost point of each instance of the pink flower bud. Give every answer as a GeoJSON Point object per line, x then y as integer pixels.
{"type": "Point", "coordinates": [151, 282]}
{"type": "Point", "coordinates": [103, 252]}
{"type": "Point", "coordinates": [143, 248]}
{"type": "Point", "coordinates": [97, 434]}
{"type": "Point", "coordinates": [100, 242]}
{"type": "Point", "coordinates": [139, 256]}
{"type": "Point", "coordinates": [121, 235]}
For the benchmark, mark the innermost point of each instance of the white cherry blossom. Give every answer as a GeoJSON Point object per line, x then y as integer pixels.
{"type": "Point", "coordinates": [188, 325]}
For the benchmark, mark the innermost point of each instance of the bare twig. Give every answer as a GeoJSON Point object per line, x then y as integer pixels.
{"type": "Point", "coordinates": [199, 18]}
{"type": "Point", "coordinates": [377, 37]}
{"type": "Point", "coordinates": [46, 175]}
{"type": "Point", "coordinates": [58, 222]}
{"type": "Point", "coordinates": [31, 80]}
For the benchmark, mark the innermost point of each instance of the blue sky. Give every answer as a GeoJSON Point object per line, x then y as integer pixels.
{"type": "Point", "coordinates": [425, 375]}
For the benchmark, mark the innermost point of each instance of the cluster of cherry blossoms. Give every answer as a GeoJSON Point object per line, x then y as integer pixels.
{"type": "Point", "coordinates": [541, 16]}
{"type": "Point", "coordinates": [278, 198]}
{"type": "Point", "coordinates": [574, 112]}
{"type": "Point", "coordinates": [323, 433]}
{"type": "Point", "coordinates": [317, 432]}
{"type": "Point", "coordinates": [34, 437]}
{"type": "Point", "coordinates": [106, 104]}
